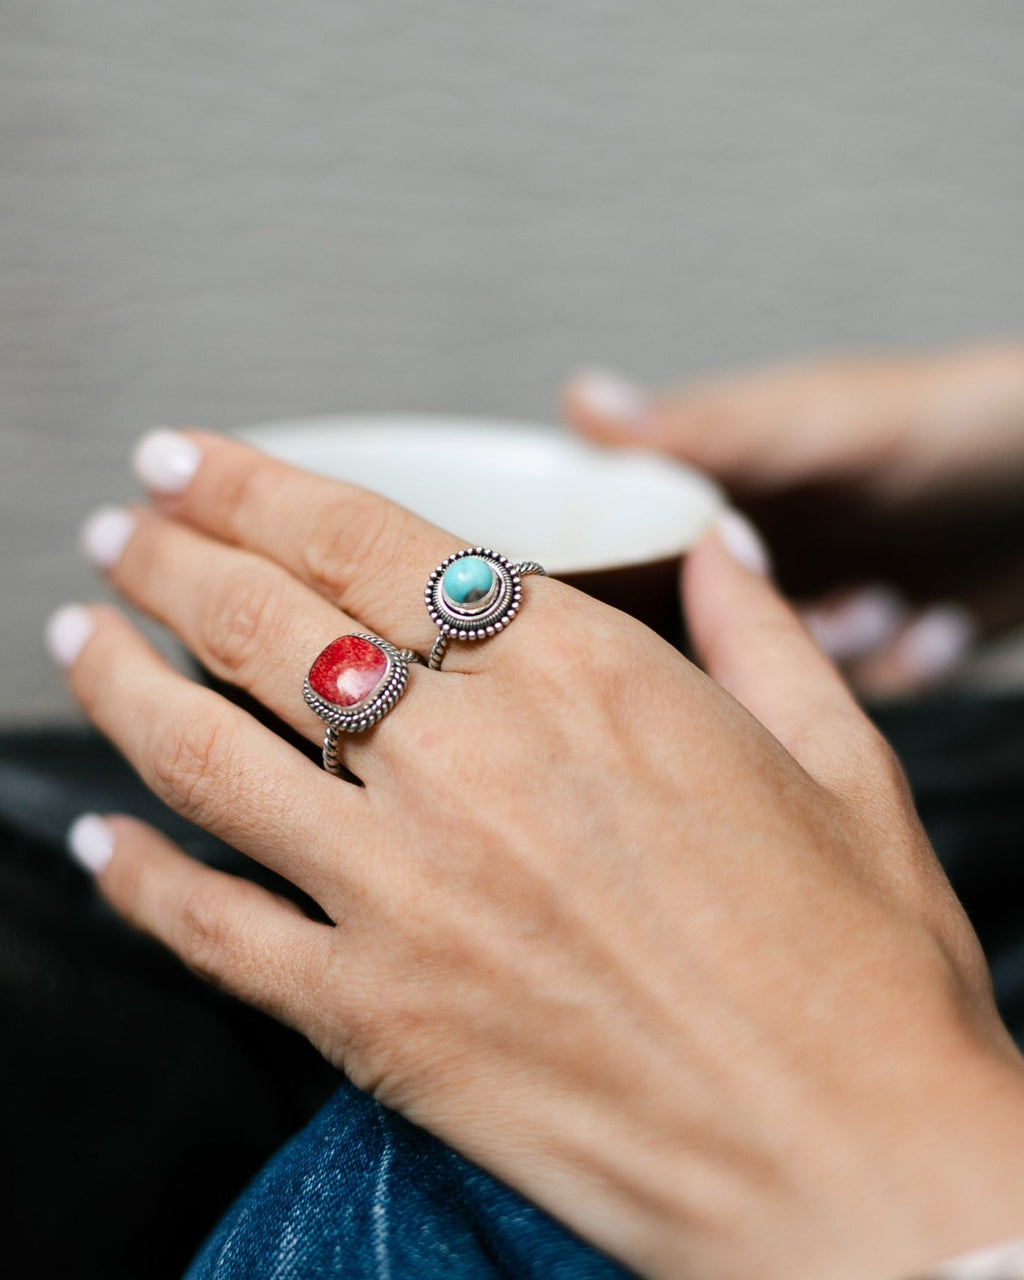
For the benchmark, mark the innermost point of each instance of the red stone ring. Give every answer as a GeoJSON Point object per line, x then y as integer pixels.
{"type": "Point", "coordinates": [472, 595]}
{"type": "Point", "coordinates": [354, 683]}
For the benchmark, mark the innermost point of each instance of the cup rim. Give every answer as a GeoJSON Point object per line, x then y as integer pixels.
{"type": "Point", "coordinates": [279, 437]}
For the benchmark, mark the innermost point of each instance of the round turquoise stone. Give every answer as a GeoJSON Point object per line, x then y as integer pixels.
{"type": "Point", "coordinates": [467, 580]}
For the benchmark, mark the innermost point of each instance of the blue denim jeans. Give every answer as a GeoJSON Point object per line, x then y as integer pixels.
{"type": "Point", "coordinates": [361, 1192]}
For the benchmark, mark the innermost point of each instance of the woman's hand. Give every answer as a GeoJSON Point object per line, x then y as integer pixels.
{"type": "Point", "coordinates": [666, 950]}
{"type": "Point", "coordinates": [890, 490]}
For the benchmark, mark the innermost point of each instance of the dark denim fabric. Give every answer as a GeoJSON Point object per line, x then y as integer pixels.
{"type": "Point", "coordinates": [360, 1192]}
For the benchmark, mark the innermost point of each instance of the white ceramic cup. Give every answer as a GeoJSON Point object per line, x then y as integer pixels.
{"type": "Point", "coordinates": [613, 522]}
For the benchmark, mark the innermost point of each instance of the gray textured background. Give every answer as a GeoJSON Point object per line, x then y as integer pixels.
{"type": "Point", "coordinates": [223, 212]}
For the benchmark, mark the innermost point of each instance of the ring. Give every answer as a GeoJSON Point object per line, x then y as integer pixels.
{"type": "Point", "coordinates": [352, 684]}
{"type": "Point", "coordinates": [473, 594]}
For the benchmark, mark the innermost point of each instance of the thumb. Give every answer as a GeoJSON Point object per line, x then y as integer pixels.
{"type": "Point", "coordinates": [753, 644]}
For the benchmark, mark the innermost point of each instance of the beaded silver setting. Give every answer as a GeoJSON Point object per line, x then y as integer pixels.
{"type": "Point", "coordinates": [486, 614]}
{"type": "Point", "coordinates": [359, 716]}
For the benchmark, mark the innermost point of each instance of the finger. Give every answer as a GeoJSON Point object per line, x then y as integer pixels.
{"type": "Point", "coordinates": [855, 623]}
{"type": "Point", "coordinates": [246, 619]}
{"type": "Point", "coordinates": [206, 758]}
{"type": "Point", "coordinates": [762, 430]}
{"type": "Point", "coordinates": [936, 640]}
{"type": "Point", "coordinates": [228, 930]}
{"type": "Point", "coordinates": [725, 429]}
{"type": "Point", "coordinates": [367, 555]}
{"type": "Point", "coordinates": [753, 644]}
{"type": "Point", "coordinates": [608, 407]}
{"type": "Point", "coordinates": [926, 651]}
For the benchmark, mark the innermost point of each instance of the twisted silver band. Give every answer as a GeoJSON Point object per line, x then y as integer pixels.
{"type": "Point", "coordinates": [351, 688]}
{"type": "Point", "coordinates": [472, 595]}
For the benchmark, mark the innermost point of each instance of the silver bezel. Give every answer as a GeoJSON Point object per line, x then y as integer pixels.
{"type": "Point", "coordinates": [363, 715]}
{"type": "Point", "coordinates": [486, 617]}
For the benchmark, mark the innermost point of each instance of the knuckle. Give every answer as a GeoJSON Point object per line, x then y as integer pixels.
{"type": "Point", "coordinates": [189, 761]}
{"type": "Point", "coordinates": [202, 937]}
{"type": "Point", "coordinates": [345, 538]}
{"type": "Point", "coordinates": [872, 771]}
{"type": "Point", "coordinates": [894, 778]}
{"type": "Point", "coordinates": [342, 1024]}
{"type": "Point", "coordinates": [239, 619]}
{"type": "Point", "coordinates": [241, 491]}
{"type": "Point", "coordinates": [602, 659]}
{"type": "Point", "coordinates": [874, 755]}
{"type": "Point", "coordinates": [380, 1046]}
{"type": "Point", "coordinates": [127, 880]}
{"type": "Point", "coordinates": [546, 644]}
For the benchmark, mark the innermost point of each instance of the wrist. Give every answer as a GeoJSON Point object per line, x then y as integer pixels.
{"type": "Point", "coordinates": [890, 1192]}
{"type": "Point", "coordinates": [935, 1172]}
{"type": "Point", "coordinates": [959, 1184]}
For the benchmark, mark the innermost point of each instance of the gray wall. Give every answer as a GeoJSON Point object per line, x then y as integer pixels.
{"type": "Point", "coordinates": [221, 212]}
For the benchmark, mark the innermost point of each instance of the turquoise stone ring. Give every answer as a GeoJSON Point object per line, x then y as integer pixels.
{"type": "Point", "coordinates": [474, 594]}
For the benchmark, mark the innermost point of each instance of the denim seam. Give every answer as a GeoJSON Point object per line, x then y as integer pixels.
{"type": "Point", "coordinates": [379, 1210]}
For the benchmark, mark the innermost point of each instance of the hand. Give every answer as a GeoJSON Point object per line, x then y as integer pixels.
{"type": "Point", "coordinates": [890, 492]}
{"type": "Point", "coordinates": [668, 951]}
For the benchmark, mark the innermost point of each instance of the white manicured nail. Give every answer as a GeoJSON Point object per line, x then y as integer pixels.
{"type": "Point", "coordinates": [858, 625]}
{"type": "Point", "coordinates": [935, 643]}
{"type": "Point", "coordinates": [105, 535]}
{"type": "Point", "coordinates": [606, 395]}
{"type": "Point", "coordinates": [66, 633]}
{"type": "Point", "coordinates": [91, 843]}
{"type": "Point", "coordinates": [743, 542]}
{"type": "Point", "coordinates": [165, 461]}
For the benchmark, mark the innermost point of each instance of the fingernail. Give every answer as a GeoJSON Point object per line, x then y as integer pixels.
{"type": "Point", "coordinates": [90, 842]}
{"type": "Point", "coordinates": [743, 542]}
{"type": "Point", "coordinates": [937, 641]}
{"type": "Point", "coordinates": [66, 633]}
{"type": "Point", "coordinates": [859, 625]}
{"type": "Point", "coordinates": [105, 534]}
{"type": "Point", "coordinates": [165, 461]}
{"type": "Point", "coordinates": [606, 395]}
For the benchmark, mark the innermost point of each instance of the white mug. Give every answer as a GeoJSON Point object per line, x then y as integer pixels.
{"type": "Point", "coordinates": [612, 522]}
